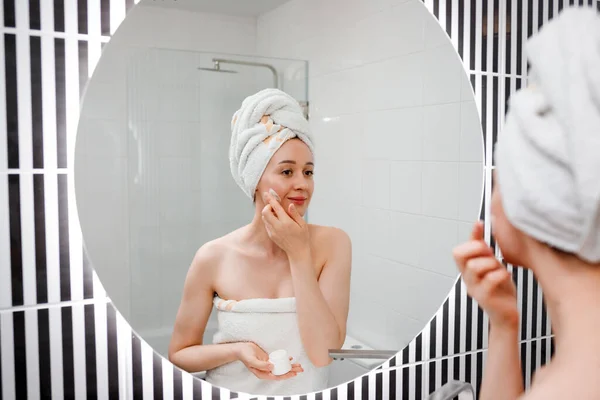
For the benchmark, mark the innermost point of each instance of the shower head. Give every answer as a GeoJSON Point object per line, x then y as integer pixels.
{"type": "Point", "coordinates": [218, 61]}
{"type": "Point", "coordinates": [217, 68]}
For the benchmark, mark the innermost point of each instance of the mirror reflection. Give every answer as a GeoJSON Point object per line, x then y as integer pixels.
{"type": "Point", "coordinates": [253, 217]}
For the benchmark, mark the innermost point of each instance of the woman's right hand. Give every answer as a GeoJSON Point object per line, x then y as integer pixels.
{"type": "Point", "coordinates": [257, 362]}
{"type": "Point", "coordinates": [486, 279]}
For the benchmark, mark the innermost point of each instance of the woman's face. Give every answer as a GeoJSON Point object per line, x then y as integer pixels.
{"type": "Point", "coordinates": [513, 243]}
{"type": "Point", "coordinates": [290, 174]}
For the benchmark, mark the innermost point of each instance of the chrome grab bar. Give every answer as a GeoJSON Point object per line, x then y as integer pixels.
{"type": "Point", "coordinates": [341, 354]}
{"type": "Point", "coordinates": [452, 389]}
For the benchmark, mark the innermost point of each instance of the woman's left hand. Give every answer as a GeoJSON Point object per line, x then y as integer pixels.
{"type": "Point", "coordinates": [286, 228]}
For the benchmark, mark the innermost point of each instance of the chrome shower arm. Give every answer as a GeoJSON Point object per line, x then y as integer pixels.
{"type": "Point", "coordinates": [253, 64]}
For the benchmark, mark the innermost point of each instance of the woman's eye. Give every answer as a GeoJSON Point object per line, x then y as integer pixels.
{"type": "Point", "coordinates": [287, 172]}
{"type": "Point", "coordinates": [310, 173]}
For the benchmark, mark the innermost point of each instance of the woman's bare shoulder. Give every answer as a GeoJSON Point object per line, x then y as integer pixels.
{"type": "Point", "coordinates": [208, 257]}
{"type": "Point", "coordinates": [329, 233]}
{"type": "Point", "coordinates": [329, 236]}
{"type": "Point", "coordinates": [562, 382]}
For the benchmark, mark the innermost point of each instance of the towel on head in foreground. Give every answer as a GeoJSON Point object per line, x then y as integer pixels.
{"type": "Point", "coordinates": [548, 155]}
{"type": "Point", "coordinates": [259, 128]}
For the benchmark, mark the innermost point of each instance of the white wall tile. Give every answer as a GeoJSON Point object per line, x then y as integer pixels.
{"type": "Point", "coordinates": [145, 272]}
{"type": "Point", "coordinates": [103, 214]}
{"type": "Point", "coordinates": [434, 35]}
{"type": "Point", "coordinates": [174, 173]}
{"type": "Point", "coordinates": [438, 238]}
{"type": "Point", "coordinates": [120, 54]}
{"type": "Point", "coordinates": [381, 270]}
{"type": "Point", "coordinates": [102, 137]}
{"type": "Point", "coordinates": [380, 36]}
{"type": "Point", "coordinates": [405, 284]}
{"type": "Point", "coordinates": [338, 50]}
{"type": "Point", "coordinates": [376, 231]}
{"type": "Point", "coordinates": [441, 133]}
{"type": "Point", "coordinates": [464, 231]}
{"type": "Point", "coordinates": [405, 186]}
{"type": "Point", "coordinates": [470, 192]}
{"type": "Point", "coordinates": [337, 93]}
{"type": "Point", "coordinates": [441, 85]}
{"type": "Point", "coordinates": [338, 158]}
{"type": "Point", "coordinates": [440, 190]}
{"type": "Point", "coordinates": [193, 31]}
{"type": "Point", "coordinates": [404, 330]}
{"type": "Point", "coordinates": [177, 249]}
{"type": "Point", "coordinates": [105, 101]}
{"type": "Point", "coordinates": [394, 83]}
{"type": "Point", "coordinates": [143, 178]}
{"type": "Point", "coordinates": [395, 134]}
{"type": "Point", "coordinates": [361, 279]}
{"type": "Point", "coordinates": [471, 135]}
{"type": "Point", "coordinates": [466, 92]}
{"type": "Point", "coordinates": [437, 288]}
{"type": "Point", "coordinates": [363, 317]}
{"type": "Point", "coordinates": [405, 238]}
{"type": "Point", "coordinates": [437, 291]}
{"type": "Point", "coordinates": [177, 103]}
{"type": "Point", "coordinates": [312, 17]}
{"type": "Point", "coordinates": [376, 183]}
{"type": "Point", "coordinates": [175, 138]}
{"type": "Point", "coordinates": [352, 225]}
{"type": "Point", "coordinates": [180, 207]}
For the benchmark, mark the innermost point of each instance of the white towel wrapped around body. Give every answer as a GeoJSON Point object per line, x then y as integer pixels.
{"type": "Point", "coordinates": [272, 325]}
{"type": "Point", "coordinates": [259, 128]}
{"type": "Point", "coordinates": [548, 155]}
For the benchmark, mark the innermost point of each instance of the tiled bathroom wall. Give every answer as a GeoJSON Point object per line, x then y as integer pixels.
{"type": "Point", "coordinates": [388, 88]}
{"type": "Point", "coordinates": [60, 337]}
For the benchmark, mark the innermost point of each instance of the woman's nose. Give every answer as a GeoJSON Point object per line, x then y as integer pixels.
{"type": "Point", "coordinates": [301, 183]}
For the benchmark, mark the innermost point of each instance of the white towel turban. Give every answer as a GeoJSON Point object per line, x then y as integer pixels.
{"type": "Point", "coordinates": [259, 128]}
{"type": "Point", "coordinates": [548, 155]}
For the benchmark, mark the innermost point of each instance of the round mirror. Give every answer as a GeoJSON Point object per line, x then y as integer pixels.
{"type": "Point", "coordinates": [398, 170]}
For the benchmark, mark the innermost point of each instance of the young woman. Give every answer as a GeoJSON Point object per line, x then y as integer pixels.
{"type": "Point", "coordinates": [278, 282]}
{"type": "Point", "coordinates": [546, 216]}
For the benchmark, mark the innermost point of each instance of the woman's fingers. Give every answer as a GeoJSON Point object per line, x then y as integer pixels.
{"type": "Point", "coordinates": [260, 365]}
{"type": "Point", "coordinates": [478, 231]}
{"type": "Point", "coordinates": [268, 226]}
{"type": "Point", "coordinates": [295, 215]}
{"type": "Point", "coordinates": [495, 280]}
{"type": "Point", "coordinates": [289, 375]}
{"type": "Point", "coordinates": [275, 206]}
{"type": "Point", "coordinates": [297, 368]}
{"type": "Point", "coordinates": [474, 248]}
{"type": "Point", "coordinates": [477, 267]}
{"type": "Point", "coordinates": [260, 374]}
{"type": "Point", "coordinates": [268, 215]}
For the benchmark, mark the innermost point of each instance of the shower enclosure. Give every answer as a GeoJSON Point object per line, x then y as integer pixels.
{"type": "Point", "coordinates": [180, 189]}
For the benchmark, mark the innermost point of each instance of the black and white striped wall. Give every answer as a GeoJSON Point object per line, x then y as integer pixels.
{"type": "Point", "coordinates": [60, 336]}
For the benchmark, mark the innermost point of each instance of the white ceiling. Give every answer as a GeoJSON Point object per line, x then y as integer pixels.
{"type": "Point", "coordinates": [244, 8]}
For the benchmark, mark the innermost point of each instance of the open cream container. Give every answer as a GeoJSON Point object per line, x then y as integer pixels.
{"type": "Point", "coordinates": [281, 362]}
